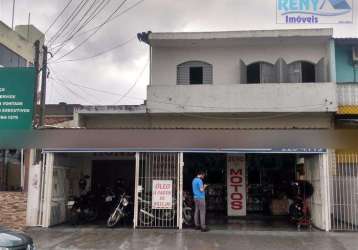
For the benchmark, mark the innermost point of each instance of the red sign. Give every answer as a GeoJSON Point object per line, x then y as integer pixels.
{"type": "Point", "coordinates": [236, 190]}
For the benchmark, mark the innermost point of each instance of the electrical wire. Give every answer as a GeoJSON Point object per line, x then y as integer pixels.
{"type": "Point", "coordinates": [134, 84]}
{"type": "Point", "coordinates": [69, 32]}
{"type": "Point", "coordinates": [99, 8]}
{"type": "Point", "coordinates": [75, 94]}
{"type": "Point", "coordinates": [58, 16]}
{"type": "Point", "coordinates": [112, 19]}
{"type": "Point", "coordinates": [99, 53]}
{"type": "Point", "coordinates": [67, 22]}
{"type": "Point", "coordinates": [95, 32]}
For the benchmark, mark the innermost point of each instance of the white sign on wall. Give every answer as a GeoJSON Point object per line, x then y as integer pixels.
{"type": "Point", "coordinates": [162, 195]}
{"type": "Point", "coordinates": [236, 185]}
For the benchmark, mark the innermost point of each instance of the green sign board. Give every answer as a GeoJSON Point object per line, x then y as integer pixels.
{"type": "Point", "coordinates": [16, 97]}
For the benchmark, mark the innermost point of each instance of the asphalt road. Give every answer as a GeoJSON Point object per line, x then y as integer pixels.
{"type": "Point", "coordinates": [127, 239]}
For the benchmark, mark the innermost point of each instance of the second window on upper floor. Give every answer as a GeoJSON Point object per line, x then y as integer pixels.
{"type": "Point", "coordinates": [194, 72]}
{"type": "Point", "coordinates": [281, 72]}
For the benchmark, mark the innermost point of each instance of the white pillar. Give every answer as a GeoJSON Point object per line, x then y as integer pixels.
{"type": "Point", "coordinates": [136, 183]}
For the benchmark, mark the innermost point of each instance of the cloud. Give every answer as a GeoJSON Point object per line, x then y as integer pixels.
{"type": "Point", "coordinates": [117, 70]}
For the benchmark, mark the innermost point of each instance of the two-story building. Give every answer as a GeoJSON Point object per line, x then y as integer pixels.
{"type": "Point", "coordinates": [205, 88]}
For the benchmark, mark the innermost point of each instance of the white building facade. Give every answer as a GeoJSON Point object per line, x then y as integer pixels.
{"type": "Point", "coordinates": [227, 81]}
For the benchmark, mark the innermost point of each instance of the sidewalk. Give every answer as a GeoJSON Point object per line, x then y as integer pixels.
{"type": "Point", "coordinates": [123, 239]}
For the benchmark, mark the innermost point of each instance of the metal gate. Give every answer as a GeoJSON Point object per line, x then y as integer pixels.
{"type": "Point", "coordinates": [344, 192]}
{"type": "Point", "coordinates": [158, 168]}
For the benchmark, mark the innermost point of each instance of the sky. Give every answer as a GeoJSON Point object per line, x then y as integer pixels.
{"type": "Point", "coordinates": [121, 75]}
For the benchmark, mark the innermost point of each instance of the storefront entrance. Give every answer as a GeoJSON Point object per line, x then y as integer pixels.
{"type": "Point", "coordinates": [247, 190]}
{"type": "Point", "coordinates": [257, 195]}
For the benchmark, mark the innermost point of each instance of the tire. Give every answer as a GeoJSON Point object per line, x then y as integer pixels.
{"type": "Point", "coordinates": [187, 216]}
{"type": "Point", "coordinates": [74, 217]}
{"type": "Point", "coordinates": [114, 218]}
{"type": "Point", "coordinates": [145, 220]}
{"type": "Point", "coordinates": [92, 216]}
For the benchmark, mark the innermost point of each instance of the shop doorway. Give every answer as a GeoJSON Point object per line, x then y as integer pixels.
{"type": "Point", "coordinates": [267, 183]}
{"type": "Point", "coordinates": [87, 179]}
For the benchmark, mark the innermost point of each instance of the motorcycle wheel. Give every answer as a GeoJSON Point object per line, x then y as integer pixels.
{"type": "Point", "coordinates": [114, 218]}
{"type": "Point", "coordinates": [74, 217]}
{"type": "Point", "coordinates": [92, 215]}
{"type": "Point", "coordinates": [187, 216]}
{"type": "Point", "coordinates": [145, 220]}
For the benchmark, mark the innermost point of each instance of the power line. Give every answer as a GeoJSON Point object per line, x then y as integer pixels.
{"type": "Point", "coordinates": [115, 17]}
{"type": "Point", "coordinates": [58, 16]}
{"type": "Point", "coordinates": [69, 32]}
{"type": "Point", "coordinates": [67, 22]}
{"type": "Point", "coordinates": [134, 84]}
{"type": "Point", "coordinates": [99, 8]}
{"type": "Point", "coordinates": [74, 93]}
{"type": "Point", "coordinates": [95, 32]}
{"type": "Point", "coordinates": [99, 53]}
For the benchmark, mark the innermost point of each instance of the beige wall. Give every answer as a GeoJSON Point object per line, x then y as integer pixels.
{"type": "Point", "coordinates": [209, 121]}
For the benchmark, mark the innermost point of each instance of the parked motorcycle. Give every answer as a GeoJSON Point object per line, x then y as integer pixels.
{"type": "Point", "coordinates": [121, 211]}
{"type": "Point", "coordinates": [82, 209]}
{"type": "Point", "coordinates": [147, 215]}
{"type": "Point", "coordinates": [188, 210]}
{"type": "Point", "coordinates": [299, 211]}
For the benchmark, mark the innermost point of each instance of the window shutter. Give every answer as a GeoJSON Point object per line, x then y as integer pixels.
{"type": "Point", "coordinates": [281, 71]}
{"type": "Point", "coordinates": [268, 73]}
{"type": "Point", "coordinates": [243, 72]}
{"type": "Point", "coordinates": [295, 72]}
{"type": "Point", "coordinates": [320, 71]}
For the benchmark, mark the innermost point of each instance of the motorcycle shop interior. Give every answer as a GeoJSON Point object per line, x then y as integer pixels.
{"type": "Point", "coordinates": [245, 190]}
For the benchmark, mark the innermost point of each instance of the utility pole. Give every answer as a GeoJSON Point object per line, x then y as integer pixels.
{"type": "Point", "coordinates": [43, 86]}
{"type": "Point", "coordinates": [37, 71]}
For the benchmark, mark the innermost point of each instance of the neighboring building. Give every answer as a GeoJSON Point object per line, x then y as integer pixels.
{"type": "Point", "coordinates": [60, 115]}
{"type": "Point", "coordinates": [17, 46]}
{"type": "Point", "coordinates": [205, 85]}
{"type": "Point", "coordinates": [347, 82]}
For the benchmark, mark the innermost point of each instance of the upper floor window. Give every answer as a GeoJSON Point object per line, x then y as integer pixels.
{"type": "Point", "coordinates": [301, 71]}
{"type": "Point", "coordinates": [194, 72]}
{"type": "Point", "coordinates": [261, 72]}
{"type": "Point", "coordinates": [281, 72]}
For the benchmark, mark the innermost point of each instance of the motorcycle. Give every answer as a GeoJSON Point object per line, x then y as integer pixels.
{"type": "Point", "coordinates": [82, 209]}
{"type": "Point", "coordinates": [188, 214]}
{"type": "Point", "coordinates": [121, 211]}
{"type": "Point", "coordinates": [147, 215]}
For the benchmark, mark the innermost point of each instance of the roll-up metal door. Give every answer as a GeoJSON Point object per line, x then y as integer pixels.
{"type": "Point", "coordinates": [153, 172]}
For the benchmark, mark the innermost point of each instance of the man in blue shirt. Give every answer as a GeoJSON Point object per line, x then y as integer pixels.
{"type": "Point", "coordinates": [199, 199]}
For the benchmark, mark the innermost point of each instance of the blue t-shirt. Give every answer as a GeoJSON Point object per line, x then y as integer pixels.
{"type": "Point", "coordinates": [197, 185]}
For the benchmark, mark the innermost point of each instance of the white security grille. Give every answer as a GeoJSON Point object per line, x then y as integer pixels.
{"type": "Point", "coordinates": [344, 192]}
{"type": "Point", "coordinates": [162, 167]}
{"type": "Point", "coordinates": [183, 72]}
{"type": "Point", "coordinates": [347, 94]}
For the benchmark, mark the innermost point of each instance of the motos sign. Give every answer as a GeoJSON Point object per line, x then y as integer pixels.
{"type": "Point", "coordinates": [236, 185]}
{"type": "Point", "coordinates": [314, 11]}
